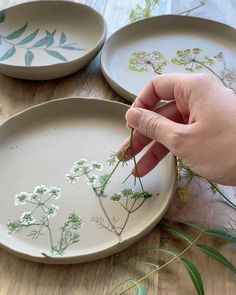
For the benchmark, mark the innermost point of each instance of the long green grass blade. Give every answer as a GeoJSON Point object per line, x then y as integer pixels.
{"type": "Point", "coordinates": [176, 232]}
{"type": "Point", "coordinates": [194, 274]}
{"type": "Point", "coordinates": [217, 256]}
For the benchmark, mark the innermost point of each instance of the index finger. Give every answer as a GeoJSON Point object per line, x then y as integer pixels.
{"type": "Point", "coordinates": [160, 87]}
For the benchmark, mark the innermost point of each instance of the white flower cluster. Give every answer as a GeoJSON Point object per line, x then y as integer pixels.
{"type": "Point", "coordinates": [84, 167]}
{"type": "Point", "coordinates": [35, 197]}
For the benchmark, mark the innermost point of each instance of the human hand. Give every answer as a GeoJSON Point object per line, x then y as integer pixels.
{"type": "Point", "coordinates": [198, 125]}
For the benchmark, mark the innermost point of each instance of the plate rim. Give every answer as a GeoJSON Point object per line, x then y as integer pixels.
{"type": "Point", "coordinates": [118, 246]}
{"type": "Point", "coordinates": [116, 86]}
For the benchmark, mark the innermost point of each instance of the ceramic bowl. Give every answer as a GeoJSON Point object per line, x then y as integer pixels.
{"type": "Point", "coordinates": [48, 39]}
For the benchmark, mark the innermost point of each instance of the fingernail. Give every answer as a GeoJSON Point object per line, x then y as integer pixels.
{"type": "Point", "coordinates": [133, 117]}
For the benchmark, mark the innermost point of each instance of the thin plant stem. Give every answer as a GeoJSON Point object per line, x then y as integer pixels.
{"type": "Point", "coordinates": [188, 11]}
{"type": "Point", "coordinates": [127, 218]}
{"type": "Point", "coordinates": [167, 263]}
{"type": "Point", "coordinates": [209, 69]}
{"type": "Point", "coordinates": [219, 191]}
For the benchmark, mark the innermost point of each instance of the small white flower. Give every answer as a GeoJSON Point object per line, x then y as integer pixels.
{"type": "Point", "coordinates": [54, 192]}
{"type": "Point", "coordinates": [96, 165]}
{"type": "Point", "coordinates": [51, 211]}
{"type": "Point", "coordinates": [71, 178]}
{"type": "Point", "coordinates": [76, 168]}
{"type": "Point", "coordinates": [21, 198]}
{"type": "Point", "coordinates": [86, 168]}
{"type": "Point", "coordinates": [92, 179]}
{"type": "Point", "coordinates": [40, 189]}
{"type": "Point", "coordinates": [27, 219]}
{"type": "Point", "coordinates": [80, 162]}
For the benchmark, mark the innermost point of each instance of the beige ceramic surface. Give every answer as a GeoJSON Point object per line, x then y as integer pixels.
{"type": "Point", "coordinates": [40, 145]}
{"type": "Point", "coordinates": [48, 39]}
{"type": "Point", "coordinates": [166, 34]}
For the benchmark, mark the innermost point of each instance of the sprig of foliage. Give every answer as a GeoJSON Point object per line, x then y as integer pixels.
{"type": "Point", "coordinates": [45, 43]}
{"type": "Point", "coordinates": [128, 199]}
{"type": "Point", "coordinates": [184, 172]}
{"type": "Point", "coordinates": [190, 10]}
{"type": "Point", "coordinates": [191, 268]}
{"type": "Point", "coordinates": [39, 199]}
{"type": "Point", "coordinates": [141, 12]}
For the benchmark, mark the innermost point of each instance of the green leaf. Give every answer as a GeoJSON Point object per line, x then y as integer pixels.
{"type": "Point", "coordinates": [216, 255]}
{"type": "Point", "coordinates": [194, 274]}
{"type": "Point", "coordinates": [62, 39]}
{"type": "Point", "coordinates": [29, 56]}
{"type": "Point", "coordinates": [56, 54]}
{"type": "Point", "coordinates": [41, 42]}
{"type": "Point", "coordinates": [50, 37]}
{"type": "Point", "coordinates": [17, 33]}
{"type": "Point", "coordinates": [29, 38]}
{"type": "Point", "coordinates": [71, 47]}
{"type": "Point", "coordinates": [2, 16]}
{"type": "Point", "coordinates": [8, 54]}
{"type": "Point", "coordinates": [141, 290]}
{"type": "Point", "coordinates": [176, 232]}
{"type": "Point", "coordinates": [222, 233]}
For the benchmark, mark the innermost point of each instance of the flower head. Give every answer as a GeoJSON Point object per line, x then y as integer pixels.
{"type": "Point", "coordinates": [27, 218]}
{"type": "Point", "coordinates": [21, 198]}
{"type": "Point", "coordinates": [74, 220]}
{"type": "Point", "coordinates": [92, 179]}
{"type": "Point", "coordinates": [40, 190]}
{"type": "Point", "coordinates": [71, 178]}
{"type": "Point", "coordinates": [96, 165]}
{"type": "Point", "coordinates": [51, 211]}
{"type": "Point", "coordinates": [12, 226]}
{"type": "Point", "coordinates": [54, 192]}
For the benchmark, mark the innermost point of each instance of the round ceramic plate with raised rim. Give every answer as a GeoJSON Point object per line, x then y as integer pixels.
{"type": "Point", "coordinates": [164, 44]}
{"type": "Point", "coordinates": [43, 40]}
{"type": "Point", "coordinates": [45, 218]}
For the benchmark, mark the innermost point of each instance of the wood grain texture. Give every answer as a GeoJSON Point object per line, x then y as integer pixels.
{"type": "Point", "coordinates": [21, 277]}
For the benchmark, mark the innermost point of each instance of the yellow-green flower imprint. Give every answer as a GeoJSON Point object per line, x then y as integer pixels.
{"type": "Point", "coordinates": [142, 61]}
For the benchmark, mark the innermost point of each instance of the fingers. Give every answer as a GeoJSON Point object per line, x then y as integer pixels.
{"type": "Point", "coordinates": [156, 127]}
{"type": "Point", "coordinates": [160, 87]}
{"type": "Point", "coordinates": [139, 140]}
{"type": "Point", "coordinates": [150, 159]}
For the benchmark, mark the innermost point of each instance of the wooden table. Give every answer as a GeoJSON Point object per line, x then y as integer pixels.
{"type": "Point", "coordinates": [21, 277]}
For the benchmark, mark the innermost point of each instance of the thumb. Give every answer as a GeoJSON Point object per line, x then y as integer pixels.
{"type": "Point", "coordinates": [156, 127]}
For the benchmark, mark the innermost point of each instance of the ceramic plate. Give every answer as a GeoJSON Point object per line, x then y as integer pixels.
{"type": "Point", "coordinates": [50, 212]}
{"type": "Point", "coordinates": [162, 44]}
{"type": "Point", "coordinates": [48, 39]}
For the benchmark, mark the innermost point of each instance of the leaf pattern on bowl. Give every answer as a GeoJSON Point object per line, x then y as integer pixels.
{"type": "Point", "coordinates": [47, 43]}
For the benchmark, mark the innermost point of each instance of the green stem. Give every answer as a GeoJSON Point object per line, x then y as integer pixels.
{"type": "Point", "coordinates": [188, 11]}
{"type": "Point", "coordinates": [209, 69]}
{"type": "Point", "coordinates": [50, 237]}
{"type": "Point", "coordinates": [219, 191]}
{"type": "Point", "coordinates": [167, 263]}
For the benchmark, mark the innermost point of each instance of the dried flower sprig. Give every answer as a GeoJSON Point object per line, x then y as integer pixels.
{"type": "Point", "coordinates": [40, 224]}
{"type": "Point", "coordinates": [128, 199]}
{"type": "Point", "coordinates": [184, 172]}
{"type": "Point", "coordinates": [141, 12]}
